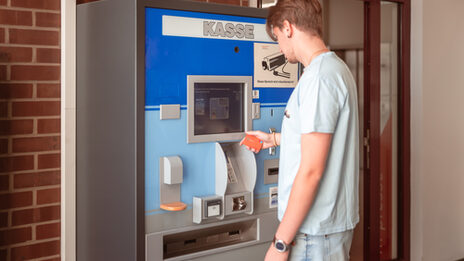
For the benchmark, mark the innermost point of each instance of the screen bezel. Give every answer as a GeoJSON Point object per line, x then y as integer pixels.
{"type": "Point", "coordinates": [247, 102]}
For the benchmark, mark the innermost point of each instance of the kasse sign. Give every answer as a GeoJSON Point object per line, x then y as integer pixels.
{"type": "Point", "coordinates": [228, 30]}
{"type": "Point", "coordinates": [218, 29]}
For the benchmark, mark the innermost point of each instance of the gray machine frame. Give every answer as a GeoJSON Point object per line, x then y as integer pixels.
{"type": "Point", "coordinates": [110, 157]}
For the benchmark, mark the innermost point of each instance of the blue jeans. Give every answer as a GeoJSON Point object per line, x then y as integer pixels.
{"type": "Point", "coordinates": [329, 247]}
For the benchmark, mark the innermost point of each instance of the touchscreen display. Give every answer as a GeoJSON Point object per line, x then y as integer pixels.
{"type": "Point", "coordinates": [218, 108]}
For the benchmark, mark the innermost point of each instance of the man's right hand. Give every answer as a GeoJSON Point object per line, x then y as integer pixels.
{"type": "Point", "coordinates": [267, 138]}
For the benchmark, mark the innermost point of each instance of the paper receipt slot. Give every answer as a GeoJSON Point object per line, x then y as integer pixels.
{"type": "Point", "coordinates": [235, 181]}
{"type": "Point", "coordinates": [235, 177]}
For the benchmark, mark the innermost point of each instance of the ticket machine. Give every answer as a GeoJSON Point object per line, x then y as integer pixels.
{"type": "Point", "coordinates": [165, 92]}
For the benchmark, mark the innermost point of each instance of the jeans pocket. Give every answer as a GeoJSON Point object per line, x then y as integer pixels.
{"type": "Point", "coordinates": [298, 251]}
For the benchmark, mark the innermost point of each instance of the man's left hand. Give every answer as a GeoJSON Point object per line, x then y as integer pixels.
{"type": "Point", "coordinates": [274, 255]}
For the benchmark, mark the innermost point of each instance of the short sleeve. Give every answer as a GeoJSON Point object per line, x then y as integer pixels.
{"type": "Point", "coordinates": [319, 107]}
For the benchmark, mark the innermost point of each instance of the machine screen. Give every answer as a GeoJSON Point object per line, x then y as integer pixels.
{"type": "Point", "coordinates": [218, 108]}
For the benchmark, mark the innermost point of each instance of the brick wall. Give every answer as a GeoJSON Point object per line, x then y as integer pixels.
{"type": "Point", "coordinates": [29, 129]}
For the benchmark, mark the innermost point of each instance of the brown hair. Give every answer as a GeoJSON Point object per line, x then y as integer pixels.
{"type": "Point", "coordinates": [306, 15]}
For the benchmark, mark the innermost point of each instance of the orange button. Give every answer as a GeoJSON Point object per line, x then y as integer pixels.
{"type": "Point", "coordinates": [174, 206]}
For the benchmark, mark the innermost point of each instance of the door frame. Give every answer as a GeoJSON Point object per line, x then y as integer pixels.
{"type": "Point", "coordinates": [372, 130]}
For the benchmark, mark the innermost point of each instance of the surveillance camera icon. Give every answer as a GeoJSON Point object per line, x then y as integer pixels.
{"type": "Point", "coordinates": [275, 61]}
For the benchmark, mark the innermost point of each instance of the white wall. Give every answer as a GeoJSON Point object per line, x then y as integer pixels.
{"type": "Point", "coordinates": [68, 130]}
{"type": "Point", "coordinates": [437, 130]}
{"type": "Point", "coordinates": [344, 23]}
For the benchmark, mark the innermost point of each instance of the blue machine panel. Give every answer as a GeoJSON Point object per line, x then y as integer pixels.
{"type": "Point", "coordinates": [168, 61]}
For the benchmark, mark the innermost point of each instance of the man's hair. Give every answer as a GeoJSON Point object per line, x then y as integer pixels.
{"type": "Point", "coordinates": [306, 15]}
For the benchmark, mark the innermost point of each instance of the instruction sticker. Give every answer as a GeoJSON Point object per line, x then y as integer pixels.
{"type": "Point", "coordinates": [273, 197]}
{"type": "Point", "coordinates": [231, 177]}
{"type": "Point", "coordinates": [272, 69]}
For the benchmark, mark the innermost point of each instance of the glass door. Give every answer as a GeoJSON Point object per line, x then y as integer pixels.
{"type": "Point", "coordinates": [389, 79]}
{"type": "Point", "coordinates": [387, 130]}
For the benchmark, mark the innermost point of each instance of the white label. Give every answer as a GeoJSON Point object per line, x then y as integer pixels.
{"type": "Point", "coordinates": [219, 29]}
{"type": "Point", "coordinates": [213, 210]}
{"type": "Point", "coordinates": [273, 197]}
{"type": "Point", "coordinates": [255, 94]}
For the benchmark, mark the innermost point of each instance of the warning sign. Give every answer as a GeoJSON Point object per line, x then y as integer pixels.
{"type": "Point", "coordinates": [272, 68]}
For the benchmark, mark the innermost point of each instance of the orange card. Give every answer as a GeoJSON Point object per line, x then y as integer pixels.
{"type": "Point", "coordinates": [253, 142]}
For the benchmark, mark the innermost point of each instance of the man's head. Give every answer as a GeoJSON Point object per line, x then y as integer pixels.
{"type": "Point", "coordinates": [306, 15]}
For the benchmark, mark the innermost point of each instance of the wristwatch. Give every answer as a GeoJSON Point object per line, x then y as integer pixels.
{"type": "Point", "coordinates": [280, 245]}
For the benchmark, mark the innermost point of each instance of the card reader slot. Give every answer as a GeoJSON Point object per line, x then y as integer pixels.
{"type": "Point", "coordinates": [273, 171]}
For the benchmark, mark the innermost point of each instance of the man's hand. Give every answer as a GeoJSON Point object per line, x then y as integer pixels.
{"type": "Point", "coordinates": [274, 255]}
{"type": "Point", "coordinates": [267, 138]}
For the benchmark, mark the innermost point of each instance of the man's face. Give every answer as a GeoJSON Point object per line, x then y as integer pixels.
{"type": "Point", "coordinates": [285, 45]}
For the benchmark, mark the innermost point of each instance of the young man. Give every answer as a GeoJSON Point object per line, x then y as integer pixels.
{"type": "Point", "coordinates": [318, 169]}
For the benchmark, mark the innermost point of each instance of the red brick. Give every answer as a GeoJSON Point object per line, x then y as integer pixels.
{"type": "Point", "coordinates": [48, 20]}
{"type": "Point", "coordinates": [13, 17]}
{"type": "Point", "coordinates": [36, 108]}
{"type": "Point", "coordinates": [3, 2]}
{"type": "Point", "coordinates": [2, 38]}
{"type": "Point", "coordinates": [37, 179]}
{"type": "Point", "coordinates": [15, 200]}
{"type": "Point", "coordinates": [35, 73]}
{"type": "Point", "coordinates": [3, 220]}
{"type": "Point", "coordinates": [49, 161]}
{"type": "Point", "coordinates": [15, 90]}
{"type": "Point", "coordinates": [48, 126]}
{"type": "Point", "coordinates": [48, 55]}
{"type": "Point", "coordinates": [4, 182]}
{"type": "Point", "coordinates": [22, 217]}
{"type": "Point", "coordinates": [3, 76]}
{"type": "Point", "coordinates": [3, 109]}
{"type": "Point", "coordinates": [13, 127]}
{"type": "Point", "coordinates": [36, 144]}
{"type": "Point", "coordinates": [48, 90]}
{"type": "Point", "coordinates": [48, 196]}
{"type": "Point", "coordinates": [50, 248]}
{"type": "Point", "coordinates": [43, 4]}
{"type": "Point", "coordinates": [3, 146]}
{"type": "Point", "coordinates": [34, 37]}
{"type": "Point", "coordinates": [16, 163]}
{"type": "Point", "coordinates": [36, 215]}
{"type": "Point", "coordinates": [245, 3]}
{"type": "Point", "coordinates": [3, 251]}
{"type": "Point", "coordinates": [14, 236]}
{"type": "Point", "coordinates": [228, 2]}
{"type": "Point", "coordinates": [48, 231]}
{"type": "Point", "coordinates": [15, 54]}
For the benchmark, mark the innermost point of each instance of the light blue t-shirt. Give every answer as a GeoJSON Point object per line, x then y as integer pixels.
{"type": "Point", "coordinates": [325, 100]}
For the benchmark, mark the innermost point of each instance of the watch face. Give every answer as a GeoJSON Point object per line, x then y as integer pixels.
{"type": "Point", "coordinates": [280, 246]}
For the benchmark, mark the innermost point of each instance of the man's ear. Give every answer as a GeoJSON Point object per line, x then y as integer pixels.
{"type": "Point", "coordinates": [287, 29]}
